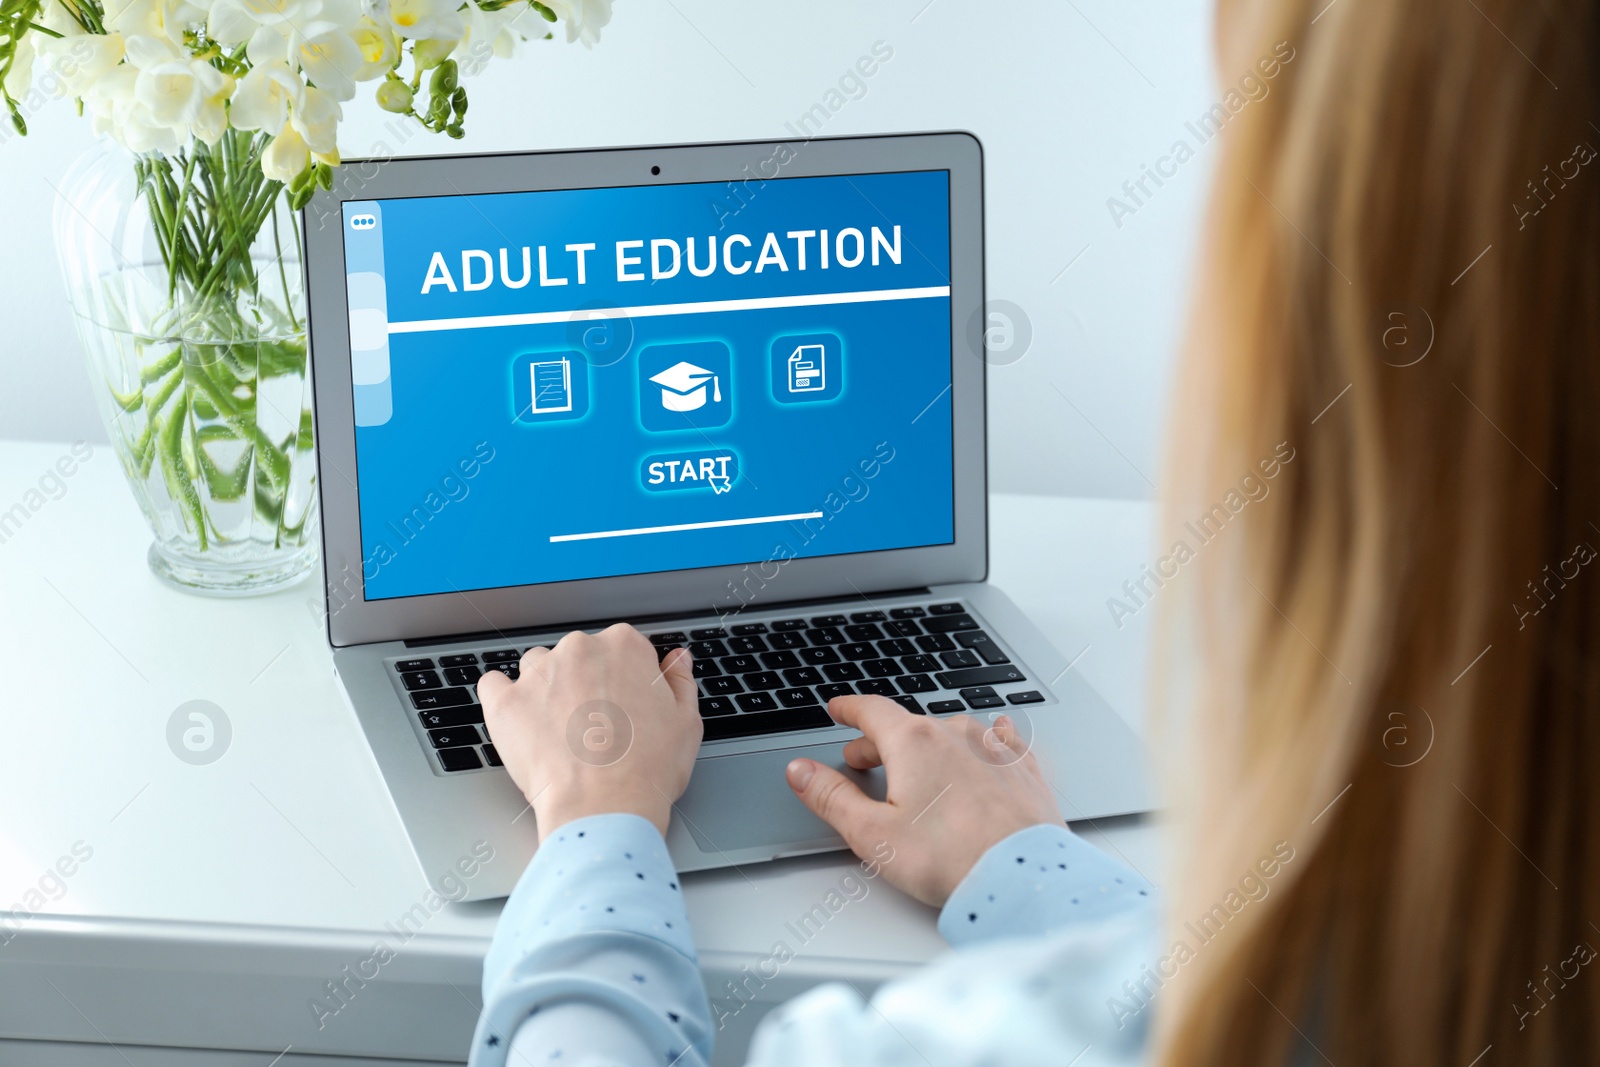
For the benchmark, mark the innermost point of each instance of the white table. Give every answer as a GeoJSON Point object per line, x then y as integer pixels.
{"type": "Point", "coordinates": [217, 900]}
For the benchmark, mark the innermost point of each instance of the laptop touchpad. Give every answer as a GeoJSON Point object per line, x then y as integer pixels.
{"type": "Point", "coordinates": [744, 801]}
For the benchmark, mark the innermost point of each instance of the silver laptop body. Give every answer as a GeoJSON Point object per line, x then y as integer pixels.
{"type": "Point", "coordinates": [731, 393]}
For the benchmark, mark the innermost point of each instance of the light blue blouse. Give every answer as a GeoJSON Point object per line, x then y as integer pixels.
{"type": "Point", "coordinates": [593, 963]}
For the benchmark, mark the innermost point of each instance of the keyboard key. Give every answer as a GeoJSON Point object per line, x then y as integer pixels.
{"type": "Point", "coordinates": [906, 613]}
{"type": "Point", "coordinates": [662, 650]}
{"type": "Point", "coordinates": [979, 676]}
{"type": "Point", "coordinates": [771, 722]}
{"type": "Point", "coordinates": [449, 717]}
{"type": "Point", "coordinates": [803, 676]}
{"type": "Point", "coordinates": [745, 629]}
{"type": "Point", "coordinates": [510, 670]}
{"type": "Point", "coordinates": [747, 644]}
{"type": "Point", "coordinates": [877, 686]}
{"type": "Point", "coordinates": [827, 620]}
{"type": "Point", "coordinates": [756, 701]}
{"type": "Point", "coordinates": [935, 643]}
{"type": "Point", "coordinates": [983, 645]}
{"type": "Point", "coordinates": [778, 661]}
{"type": "Point", "coordinates": [867, 616]}
{"type": "Point", "coordinates": [710, 633]}
{"type": "Point", "coordinates": [721, 687]}
{"type": "Point", "coordinates": [786, 640]}
{"type": "Point", "coordinates": [843, 672]}
{"type": "Point", "coordinates": [902, 628]}
{"type": "Point", "coordinates": [982, 696]}
{"type": "Point", "coordinates": [740, 664]}
{"type": "Point", "coordinates": [441, 698]}
{"type": "Point", "coordinates": [502, 656]}
{"type": "Point", "coordinates": [833, 689]}
{"type": "Point", "coordinates": [909, 703]}
{"type": "Point", "coordinates": [949, 623]}
{"type": "Point", "coordinates": [896, 646]}
{"type": "Point", "coordinates": [462, 675]}
{"type": "Point", "coordinates": [415, 680]}
{"type": "Point", "coordinates": [705, 648]}
{"type": "Point", "coordinates": [865, 631]}
{"type": "Point", "coordinates": [711, 707]}
{"type": "Point", "coordinates": [466, 659]}
{"type": "Point", "coordinates": [789, 624]}
{"type": "Point", "coordinates": [916, 683]}
{"type": "Point", "coordinates": [826, 635]}
{"type": "Point", "coordinates": [858, 650]}
{"type": "Point", "coordinates": [816, 657]}
{"type": "Point", "coordinates": [919, 664]}
{"type": "Point", "coordinates": [961, 657]}
{"type": "Point", "coordinates": [492, 756]}
{"type": "Point", "coordinates": [881, 668]}
{"type": "Point", "coordinates": [1029, 696]}
{"type": "Point", "coordinates": [454, 736]}
{"type": "Point", "coordinates": [459, 759]}
{"type": "Point", "coordinates": [797, 697]}
{"type": "Point", "coordinates": [945, 609]}
{"type": "Point", "coordinates": [414, 665]}
{"type": "Point", "coordinates": [706, 668]}
{"type": "Point", "coordinates": [671, 637]}
{"type": "Point", "coordinates": [939, 707]}
{"type": "Point", "coordinates": [763, 680]}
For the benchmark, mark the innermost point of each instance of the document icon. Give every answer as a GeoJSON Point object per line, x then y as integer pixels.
{"type": "Point", "coordinates": [808, 369]}
{"type": "Point", "coordinates": [552, 386]}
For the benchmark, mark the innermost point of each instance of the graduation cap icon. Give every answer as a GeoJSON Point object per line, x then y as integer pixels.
{"type": "Point", "coordinates": [683, 387]}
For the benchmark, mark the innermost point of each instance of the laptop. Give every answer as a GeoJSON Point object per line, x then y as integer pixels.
{"type": "Point", "coordinates": [732, 394]}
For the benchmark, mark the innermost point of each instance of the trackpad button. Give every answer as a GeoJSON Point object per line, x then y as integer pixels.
{"type": "Point", "coordinates": [744, 801]}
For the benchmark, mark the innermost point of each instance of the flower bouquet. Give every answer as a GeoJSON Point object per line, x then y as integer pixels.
{"type": "Point", "coordinates": [179, 235]}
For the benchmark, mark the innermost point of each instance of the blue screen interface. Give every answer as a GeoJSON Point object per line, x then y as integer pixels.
{"type": "Point", "coordinates": [585, 383]}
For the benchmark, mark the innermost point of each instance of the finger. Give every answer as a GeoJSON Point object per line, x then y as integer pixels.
{"type": "Point", "coordinates": [872, 715]}
{"type": "Point", "coordinates": [493, 687]}
{"type": "Point", "coordinates": [835, 800]}
{"type": "Point", "coordinates": [678, 669]}
{"type": "Point", "coordinates": [862, 753]}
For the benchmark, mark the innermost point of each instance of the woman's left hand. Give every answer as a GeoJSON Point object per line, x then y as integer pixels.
{"type": "Point", "coordinates": [596, 726]}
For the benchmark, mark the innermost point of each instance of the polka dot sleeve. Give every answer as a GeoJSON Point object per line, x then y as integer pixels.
{"type": "Point", "coordinates": [1037, 881]}
{"type": "Point", "coordinates": [593, 961]}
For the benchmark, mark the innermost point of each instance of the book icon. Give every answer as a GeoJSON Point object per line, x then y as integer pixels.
{"type": "Point", "coordinates": [552, 386]}
{"type": "Point", "coordinates": [807, 369]}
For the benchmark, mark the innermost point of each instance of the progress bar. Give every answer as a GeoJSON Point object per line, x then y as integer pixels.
{"type": "Point", "coordinates": [685, 526]}
{"type": "Point", "coordinates": [699, 307]}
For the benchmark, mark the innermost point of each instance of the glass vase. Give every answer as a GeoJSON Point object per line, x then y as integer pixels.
{"type": "Point", "coordinates": [184, 278]}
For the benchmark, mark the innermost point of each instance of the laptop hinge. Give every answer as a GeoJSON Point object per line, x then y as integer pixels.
{"type": "Point", "coordinates": [646, 620]}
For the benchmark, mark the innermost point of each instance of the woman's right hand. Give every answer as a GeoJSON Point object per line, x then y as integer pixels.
{"type": "Point", "coordinates": [957, 786]}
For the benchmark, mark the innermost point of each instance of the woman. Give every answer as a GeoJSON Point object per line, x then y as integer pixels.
{"type": "Point", "coordinates": [1387, 694]}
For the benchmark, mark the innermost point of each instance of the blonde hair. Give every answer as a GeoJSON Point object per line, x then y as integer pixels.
{"type": "Point", "coordinates": [1419, 575]}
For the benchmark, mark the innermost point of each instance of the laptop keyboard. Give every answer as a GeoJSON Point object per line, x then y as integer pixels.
{"type": "Point", "coordinates": [760, 678]}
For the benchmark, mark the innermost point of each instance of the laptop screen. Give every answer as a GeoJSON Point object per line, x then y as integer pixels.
{"type": "Point", "coordinates": [586, 383]}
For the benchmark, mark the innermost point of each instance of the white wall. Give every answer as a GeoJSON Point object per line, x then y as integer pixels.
{"type": "Point", "coordinates": [1070, 97]}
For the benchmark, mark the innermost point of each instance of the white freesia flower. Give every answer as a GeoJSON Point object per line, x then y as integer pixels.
{"type": "Point", "coordinates": [379, 48]}
{"type": "Point", "coordinates": [19, 79]}
{"type": "Point", "coordinates": [117, 111]}
{"type": "Point", "coordinates": [186, 95]}
{"type": "Point", "coordinates": [434, 20]}
{"type": "Point", "coordinates": [480, 40]}
{"type": "Point", "coordinates": [286, 156]}
{"type": "Point", "coordinates": [584, 19]}
{"type": "Point", "coordinates": [316, 119]}
{"type": "Point", "coordinates": [236, 21]}
{"type": "Point", "coordinates": [265, 96]}
{"type": "Point", "coordinates": [331, 60]}
{"type": "Point", "coordinates": [80, 60]}
{"type": "Point", "coordinates": [156, 19]}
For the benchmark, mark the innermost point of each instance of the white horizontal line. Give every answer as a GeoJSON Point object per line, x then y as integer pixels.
{"type": "Point", "coordinates": [686, 526]}
{"type": "Point", "coordinates": [536, 318]}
